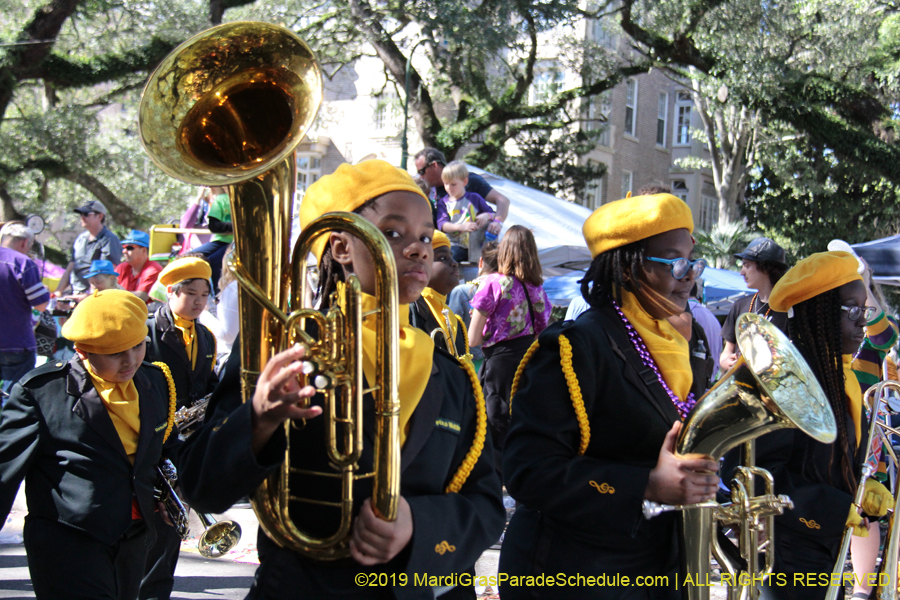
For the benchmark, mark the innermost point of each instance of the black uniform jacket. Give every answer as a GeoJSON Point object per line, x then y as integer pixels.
{"type": "Point", "coordinates": [812, 479]}
{"type": "Point", "coordinates": [56, 434]}
{"type": "Point", "coordinates": [451, 530]}
{"type": "Point", "coordinates": [423, 318]}
{"type": "Point", "coordinates": [167, 346]}
{"type": "Point", "coordinates": [582, 514]}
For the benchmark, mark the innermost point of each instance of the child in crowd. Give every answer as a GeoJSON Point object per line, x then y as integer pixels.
{"type": "Point", "coordinates": [87, 436]}
{"type": "Point", "coordinates": [179, 340]}
{"type": "Point", "coordinates": [459, 213]}
{"type": "Point", "coordinates": [450, 508]}
{"type": "Point", "coordinates": [103, 276]}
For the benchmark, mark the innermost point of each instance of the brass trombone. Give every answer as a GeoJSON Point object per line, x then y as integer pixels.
{"type": "Point", "coordinates": [886, 588]}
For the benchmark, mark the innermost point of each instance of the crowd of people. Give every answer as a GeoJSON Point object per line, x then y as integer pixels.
{"type": "Point", "coordinates": [577, 419]}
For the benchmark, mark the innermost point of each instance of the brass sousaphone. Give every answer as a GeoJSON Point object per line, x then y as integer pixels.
{"type": "Point", "coordinates": [228, 108]}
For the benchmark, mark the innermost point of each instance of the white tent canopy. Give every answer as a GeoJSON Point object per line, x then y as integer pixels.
{"type": "Point", "coordinates": [556, 224]}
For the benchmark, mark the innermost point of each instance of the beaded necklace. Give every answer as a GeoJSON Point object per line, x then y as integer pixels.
{"type": "Point", "coordinates": [753, 301]}
{"type": "Point", "coordinates": [683, 406]}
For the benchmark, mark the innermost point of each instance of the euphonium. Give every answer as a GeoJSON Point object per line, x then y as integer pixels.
{"type": "Point", "coordinates": [227, 108]}
{"type": "Point", "coordinates": [770, 387]}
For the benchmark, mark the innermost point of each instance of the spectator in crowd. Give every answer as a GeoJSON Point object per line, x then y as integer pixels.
{"type": "Point", "coordinates": [763, 265]}
{"type": "Point", "coordinates": [707, 321]}
{"type": "Point", "coordinates": [137, 273]}
{"type": "Point", "coordinates": [196, 217]}
{"type": "Point", "coordinates": [97, 242]}
{"type": "Point", "coordinates": [189, 350]}
{"type": "Point", "coordinates": [509, 310]}
{"type": "Point", "coordinates": [103, 276]}
{"type": "Point", "coordinates": [430, 166]}
{"type": "Point", "coordinates": [460, 298]}
{"type": "Point", "coordinates": [222, 232]}
{"type": "Point", "coordinates": [227, 323]}
{"type": "Point", "coordinates": [461, 213]}
{"type": "Point", "coordinates": [21, 290]}
{"type": "Point", "coordinates": [87, 436]}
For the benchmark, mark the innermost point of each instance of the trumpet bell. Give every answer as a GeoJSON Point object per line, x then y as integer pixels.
{"type": "Point", "coordinates": [230, 103]}
{"type": "Point", "coordinates": [219, 539]}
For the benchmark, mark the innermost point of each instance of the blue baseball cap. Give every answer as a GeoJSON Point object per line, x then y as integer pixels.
{"type": "Point", "coordinates": [101, 267]}
{"type": "Point", "coordinates": [137, 238]}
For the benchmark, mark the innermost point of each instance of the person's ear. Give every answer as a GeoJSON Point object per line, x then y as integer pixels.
{"type": "Point", "coordinates": [170, 290]}
{"type": "Point", "coordinates": [81, 353]}
{"type": "Point", "coordinates": [341, 250]}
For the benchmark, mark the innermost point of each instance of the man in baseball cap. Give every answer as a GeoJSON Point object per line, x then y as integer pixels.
{"type": "Point", "coordinates": [137, 273]}
{"type": "Point", "coordinates": [97, 242]}
{"type": "Point", "coordinates": [762, 249]}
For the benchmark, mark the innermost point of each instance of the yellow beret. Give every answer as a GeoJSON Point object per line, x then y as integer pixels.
{"type": "Point", "coordinates": [348, 188]}
{"type": "Point", "coordinates": [439, 240]}
{"type": "Point", "coordinates": [185, 268]}
{"type": "Point", "coordinates": [633, 219]}
{"type": "Point", "coordinates": [814, 275]}
{"type": "Point", "coordinates": [107, 322]}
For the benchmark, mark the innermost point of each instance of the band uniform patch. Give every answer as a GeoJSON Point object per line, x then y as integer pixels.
{"type": "Point", "coordinates": [448, 425]}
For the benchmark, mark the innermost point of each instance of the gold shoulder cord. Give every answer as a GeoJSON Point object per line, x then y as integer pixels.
{"type": "Point", "coordinates": [565, 360]}
{"type": "Point", "coordinates": [519, 370]}
{"type": "Point", "coordinates": [468, 463]}
{"type": "Point", "coordinates": [170, 420]}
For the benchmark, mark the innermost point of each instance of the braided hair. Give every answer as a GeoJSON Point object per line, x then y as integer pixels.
{"type": "Point", "coordinates": [330, 271]}
{"type": "Point", "coordinates": [815, 329]}
{"type": "Point", "coordinates": [611, 271]}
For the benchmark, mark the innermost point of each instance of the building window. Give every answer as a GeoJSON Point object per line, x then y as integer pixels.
{"type": "Point", "coordinates": [631, 97]}
{"type": "Point", "coordinates": [709, 212]}
{"type": "Point", "coordinates": [599, 109]}
{"type": "Point", "coordinates": [593, 191]}
{"type": "Point", "coordinates": [388, 114]}
{"type": "Point", "coordinates": [662, 115]}
{"type": "Point", "coordinates": [309, 169]}
{"type": "Point", "coordinates": [680, 189]}
{"type": "Point", "coordinates": [547, 83]}
{"type": "Point", "coordinates": [627, 182]}
{"type": "Point", "coordinates": [601, 32]}
{"type": "Point", "coordinates": [683, 105]}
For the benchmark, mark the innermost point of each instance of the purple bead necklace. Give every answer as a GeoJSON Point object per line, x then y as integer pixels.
{"type": "Point", "coordinates": [683, 406]}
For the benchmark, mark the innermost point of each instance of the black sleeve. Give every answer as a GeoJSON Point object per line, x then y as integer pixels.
{"type": "Point", "coordinates": [232, 471]}
{"type": "Point", "coordinates": [728, 325]}
{"type": "Point", "coordinates": [217, 226]}
{"type": "Point", "coordinates": [20, 427]}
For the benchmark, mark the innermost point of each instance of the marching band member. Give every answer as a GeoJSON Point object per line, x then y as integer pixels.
{"type": "Point", "coordinates": [178, 339]}
{"type": "Point", "coordinates": [450, 508]}
{"type": "Point", "coordinates": [431, 306]}
{"type": "Point", "coordinates": [825, 299]}
{"type": "Point", "coordinates": [87, 437]}
{"type": "Point", "coordinates": [599, 406]}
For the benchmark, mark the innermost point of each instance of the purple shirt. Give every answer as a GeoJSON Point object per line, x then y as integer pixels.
{"type": "Point", "coordinates": [502, 299]}
{"type": "Point", "coordinates": [443, 215]}
{"type": "Point", "coordinates": [20, 289]}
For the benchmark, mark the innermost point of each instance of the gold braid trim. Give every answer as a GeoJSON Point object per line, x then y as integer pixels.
{"type": "Point", "coordinates": [468, 463]}
{"type": "Point", "coordinates": [170, 420]}
{"type": "Point", "coordinates": [465, 333]}
{"type": "Point", "coordinates": [519, 370]}
{"type": "Point", "coordinates": [565, 360]}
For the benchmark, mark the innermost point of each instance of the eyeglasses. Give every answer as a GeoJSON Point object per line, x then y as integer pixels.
{"type": "Point", "coordinates": [425, 168]}
{"type": "Point", "coordinates": [129, 248]}
{"type": "Point", "coordinates": [855, 312]}
{"type": "Point", "coordinates": [681, 266]}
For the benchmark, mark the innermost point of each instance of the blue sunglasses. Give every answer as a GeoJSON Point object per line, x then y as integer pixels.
{"type": "Point", "coordinates": [681, 266]}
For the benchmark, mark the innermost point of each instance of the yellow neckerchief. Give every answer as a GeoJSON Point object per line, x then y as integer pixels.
{"type": "Point", "coordinates": [186, 327]}
{"type": "Point", "coordinates": [416, 356]}
{"type": "Point", "coordinates": [668, 348]}
{"type": "Point", "coordinates": [121, 402]}
{"type": "Point", "coordinates": [854, 393]}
